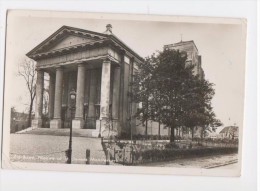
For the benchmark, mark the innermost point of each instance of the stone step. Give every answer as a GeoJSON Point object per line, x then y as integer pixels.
{"type": "Point", "coordinates": [25, 130]}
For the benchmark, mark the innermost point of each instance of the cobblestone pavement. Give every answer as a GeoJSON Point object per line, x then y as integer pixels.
{"type": "Point", "coordinates": [51, 149]}
{"type": "Point", "coordinates": [220, 161]}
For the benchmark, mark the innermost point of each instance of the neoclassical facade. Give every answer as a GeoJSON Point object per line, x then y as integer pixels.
{"type": "Point", "coordinates": [99, 67]}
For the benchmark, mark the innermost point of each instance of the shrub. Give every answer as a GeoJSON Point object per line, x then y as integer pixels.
{"type": "Point", "coordinates": [124, 136]}
{"type": "Point", "coordinates": [170, 154]}
{"type": "Point", "coordinates": [148, 137]}
{"type": "Point", "coordinates": [172, 146]}
{"type": "Point", "coordinates": [165, 137]}
{"type": "Point", "coordinates": [178, 137]}
{"type": "Point", "coordinates": [190, 145]}
{"type": "Point", "coordinates": [120, 145]}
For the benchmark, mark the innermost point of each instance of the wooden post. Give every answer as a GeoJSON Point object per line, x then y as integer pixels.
{"type": "Point", "coordinates": [88, 156]}
{"type": "Point", "coordinates": [123, 156]}
{"type": "Point", "coordinates": [107, 156]}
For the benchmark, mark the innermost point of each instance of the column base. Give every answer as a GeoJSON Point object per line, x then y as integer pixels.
{"type": "Point", "coordinates": [36, 123]}
{"type": "Point", "coordinates": [77, 124]}
{"type": "Point", "coordinates": [115, 125]}
{"type": "Point", "coordinates": [55, 124]}
{"type": "Point", "coordinates": [106, 128]}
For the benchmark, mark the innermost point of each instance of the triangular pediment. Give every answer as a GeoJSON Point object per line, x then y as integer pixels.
{"type": "Point", "coordinates": [70, 40]}
{"type": "Point", "coordinates": [66, 37]}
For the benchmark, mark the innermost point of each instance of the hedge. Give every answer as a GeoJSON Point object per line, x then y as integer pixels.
{"type": "Point", "coordinates": [156, 155]}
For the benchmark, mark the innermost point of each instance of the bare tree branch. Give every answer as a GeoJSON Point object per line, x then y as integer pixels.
{"type": "Point", "coordinates": [26, 70]}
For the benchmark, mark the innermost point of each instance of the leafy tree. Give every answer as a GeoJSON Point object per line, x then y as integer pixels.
{"type": "Point", "coordinates": [141, 92]}
{"type": "Point", "coordinates": [199, 110]}
{"type": "Point", "coordinates": [171, 94]}
{"type": "Point", "coordinates": [172, 79]}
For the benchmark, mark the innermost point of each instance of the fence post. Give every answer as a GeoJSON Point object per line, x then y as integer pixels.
{"type": "Point", "coordinates": [132, 156]}
{"type": "Point", "coordinates": [114, 154]}
{"type": "Point", "coordinates": [123, 156]}
{"type": "Point", "coordinates": [88, 156]}
{"type": "Point", "coordinates": [107, 156]}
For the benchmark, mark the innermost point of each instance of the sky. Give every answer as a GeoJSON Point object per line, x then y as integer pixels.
{"type": "Point", "coordinates": [221, 46]}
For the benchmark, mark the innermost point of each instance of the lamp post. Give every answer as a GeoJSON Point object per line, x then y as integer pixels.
{"type": "Point", "coordinates": [72, 108]}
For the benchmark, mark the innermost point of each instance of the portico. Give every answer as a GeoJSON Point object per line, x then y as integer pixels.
{"type": "Point", "coordinates": [99, 67]}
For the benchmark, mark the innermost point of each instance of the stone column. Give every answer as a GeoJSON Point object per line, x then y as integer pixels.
{"type": "Point", "coordinates": [115, 97]}
{"type": "Point", "coordinates": [37, 122]}
{"type": "Point", "coordinates": [78, 122]}
{"type": "Point", "coordinates": [104, 98]}
{"type": "Point", "coordinates": [51, 94]}
{"type": "Point", "coordinates": [121, 94]}
{"type": "Point", "coordinates": [56, 122]}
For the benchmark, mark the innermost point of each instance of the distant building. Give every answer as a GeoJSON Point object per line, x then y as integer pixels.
{"type": "Point", "coordinates": [152, 128]}
{"type": "Point", "coordinates": [229, 132]}
{"type": "Point", "coordinates": [18, 121]}
{"type": "Point", "coordinates": [193, 56]}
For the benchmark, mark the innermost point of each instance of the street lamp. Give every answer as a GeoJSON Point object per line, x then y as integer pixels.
{"type": "Point", "coordinates": [72, 108]}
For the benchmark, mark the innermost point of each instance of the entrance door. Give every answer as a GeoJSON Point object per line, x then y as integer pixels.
{"type": "Point", "coordinates": [65, 118]}
{"type": "Point", "coordinates": [90, 122]}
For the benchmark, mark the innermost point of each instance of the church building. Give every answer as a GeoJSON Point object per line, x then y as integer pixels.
{"type": "Point", "coordinates": [193, 56]}
{"type": "Point", "coordinates": [99, 67]}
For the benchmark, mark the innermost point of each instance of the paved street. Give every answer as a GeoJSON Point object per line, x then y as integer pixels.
{"type": "Point", "coordinates": [230, 166]}
{"type": "Point", "coordinates": [50, 149]}
{"type": "Point", "coordinates": [220, 161]}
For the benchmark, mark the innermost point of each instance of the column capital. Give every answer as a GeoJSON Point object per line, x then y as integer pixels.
{"type": "Point", "coordinates": [132, 59]}
{"type": "Point", "coordinates": [116, 67]}
{"type": "Point", "coordinates": [81, 65]}
{"type": "Point", "coordinates": [51, 74]}
{"type": "Point", "coordinates": [59, 68]}
{"type": "Point", "coordinates": [122, 52]}
{"type": "Point", "coordinates": [38, 69]}
{"type": "Point", "coordinates": [107, 59]}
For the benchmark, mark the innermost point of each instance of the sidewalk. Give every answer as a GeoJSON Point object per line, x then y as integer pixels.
{"type": "Point", "coordinates": [207, 162]}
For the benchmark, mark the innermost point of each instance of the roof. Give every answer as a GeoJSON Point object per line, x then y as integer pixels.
{"type": "Point", "coordinates": [97, 35]}
{"type": "Point", "coordinates": [182, 43]}
{"type": "Point", "coordinates": [229, 129]}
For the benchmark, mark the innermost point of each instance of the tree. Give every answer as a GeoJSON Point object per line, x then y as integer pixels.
{"type": "Point", "coordinates": [172, 79]}
{"type": "Point", "coordinates": [26, 69]}
{"type": "Point", "coordinates": [141, 92]}
{"type": "Point", "coordinates": [199, 110]}
{"type": "Point", "coordinates": [209, 121]}
{"type": "Point", "coordinates": [172, 94]}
